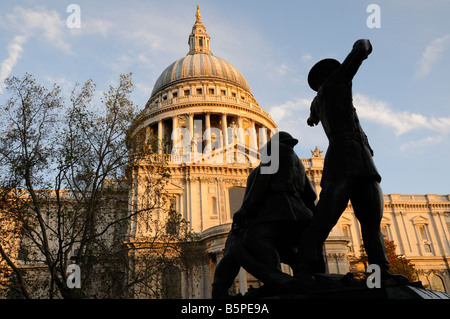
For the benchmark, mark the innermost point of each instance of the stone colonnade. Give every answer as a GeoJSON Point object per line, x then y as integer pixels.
{"type": "Point", "coordinates": [206, 131]}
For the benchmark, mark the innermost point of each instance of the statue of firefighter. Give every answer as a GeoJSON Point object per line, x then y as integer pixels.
{"type": "Point", "coordinates": [277, 206]}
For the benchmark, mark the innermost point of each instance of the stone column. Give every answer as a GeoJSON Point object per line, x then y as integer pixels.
{"type": "Point", "coordinates": [253, 138]}
{"type": "Point", "coordinates": [242, 281]}
{"type": "Point", "coordinates": [147, 136]}
{"type": "Point", "coordinates": [191, 125]}
{"type": "Point", "coordinates": [224, 130]}
{"type": "Point", "coordinates": [191, 132]}
{"type": "Point", "coordinates": [443, 231]}
{"type": "Point", "coordinates": [160, 136]}
{"type": "Point", "coordinates": [240, 131]}
{"type": "Point", "coordinates": [435, 232]}
{"type": "Point", "coordinates": [174, 131]}
{"type": "Point", "coordinates": [208, 132]}
{"type": "Point", "coordinates": [263, 136]}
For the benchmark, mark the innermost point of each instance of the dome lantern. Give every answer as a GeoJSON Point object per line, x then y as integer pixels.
{"type": "Point", "coordinates": [198, 39]}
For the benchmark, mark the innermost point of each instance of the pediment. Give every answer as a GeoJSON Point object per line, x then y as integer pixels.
{"type": "Point", "coordinates": [234, 153]}
{"type": "Point", "coordinates": [174, 187]}
{"type": "Point", "coordinates": [345, 220]}
{"type": "Point", "coordinates": [419, 220]}
{"type": "Point", "coordinates": [385, 220]}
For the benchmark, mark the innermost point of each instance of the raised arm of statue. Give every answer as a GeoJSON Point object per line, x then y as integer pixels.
{"type": "Point", "coordinates": [361, 50]}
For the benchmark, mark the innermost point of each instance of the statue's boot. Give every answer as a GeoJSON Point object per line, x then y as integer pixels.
{"type": "Point", "coordinates": [220, 291]}
{"type": "Point", "coordinates": [274, 281]}
{"type": "Point", "coordinates": [390, 278]}
{"type": "Point", "coordinates": [304, 273]}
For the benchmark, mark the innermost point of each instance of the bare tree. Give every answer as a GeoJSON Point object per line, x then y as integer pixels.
{"type": "Point", "coordinates": [66, 174]}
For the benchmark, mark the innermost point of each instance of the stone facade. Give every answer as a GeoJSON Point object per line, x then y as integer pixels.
{"type": "Point", "coordinates": [203, 122]}
{"type": "Point", "coordinates": [203, 119]}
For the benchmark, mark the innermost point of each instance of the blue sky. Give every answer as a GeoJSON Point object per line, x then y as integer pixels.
{"type": "Point", "coordinates": [401, 93]}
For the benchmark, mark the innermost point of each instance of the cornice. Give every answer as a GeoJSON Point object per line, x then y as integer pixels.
{"type": "Point", "coordinates": [235, 110]}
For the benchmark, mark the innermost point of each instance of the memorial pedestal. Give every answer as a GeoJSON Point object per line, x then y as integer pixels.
{"type": "Point", "coordinates": [345, 287]}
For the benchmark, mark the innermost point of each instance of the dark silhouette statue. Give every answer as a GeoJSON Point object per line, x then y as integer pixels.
{"type": "Point", "coordinates": [349, 171]}
{"type": "Point", "coordinates": [267, 228]}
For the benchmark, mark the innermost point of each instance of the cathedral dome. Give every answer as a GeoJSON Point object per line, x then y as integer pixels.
{"type": "Point", "coordinates": [204, 93]}
{"type": "Point", "coordinates": [200, 66]}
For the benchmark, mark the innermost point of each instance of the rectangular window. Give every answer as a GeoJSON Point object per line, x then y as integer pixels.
{"type": "Point", "coordinates": [224, 92]}
{"type": "Point", "coordinates": [423, 232]}
{"type": "Point", "coordinates": [187, 92]}
{"type": "Point", "coordinates": [235, 198]}
{"type": "Point", "coordinates": [200, 42]}
{"type": "Point", "coordinates": [174, 94]}
{"type": "Point", "coordinates": [199, 91]}
{"type": "Point", "coordinates": [214, 211]}
{"type": "Point", "coordinates": [211, 91]}
{"type": "Point", "coordinates": [385, 231]}
{"type": "Point", "coordinates": [347, 233]}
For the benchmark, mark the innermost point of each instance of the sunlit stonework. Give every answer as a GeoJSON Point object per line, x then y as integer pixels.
{"type": "Point", "coordinates": [208, 99]}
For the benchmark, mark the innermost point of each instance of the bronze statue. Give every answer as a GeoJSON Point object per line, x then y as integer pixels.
{"type": "Point", "coordinates": [267, 228]}
{"type": "Point", "coordinates": [349, 171]}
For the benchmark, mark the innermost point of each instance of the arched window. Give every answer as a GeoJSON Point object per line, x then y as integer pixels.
{"type": "Point", "coordinates": [437, 284]}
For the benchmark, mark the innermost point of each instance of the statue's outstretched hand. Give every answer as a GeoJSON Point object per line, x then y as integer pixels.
{"type": "Point", "coordinates": [311, 121]}
{"type": "Point", "coordinates": [365, 45]}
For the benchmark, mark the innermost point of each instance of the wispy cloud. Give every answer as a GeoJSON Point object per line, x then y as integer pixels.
{"type": "Point", "coordinates": [427, 141]}
{"type": "Point", "coordinates": [27, 23]}
{"type": "Point", "coordinates": [39, 22]}
{"type": "Point", "coordinates": [95, 26]}
{"type": "Point", "coordinates": [288, 109]}
{"type": "Point", "coordinates": [282, 69]}
{"type": "Point", "coordinates": [306, 57]}
{"type": "Point", "coordinates": [431, 55]}
{"type": "Point", "coordinates": [400, 121]}
{"type": "Point", "coordinates": [292, 115]}
{"type": "Point", "coordinates": [15, 49]}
